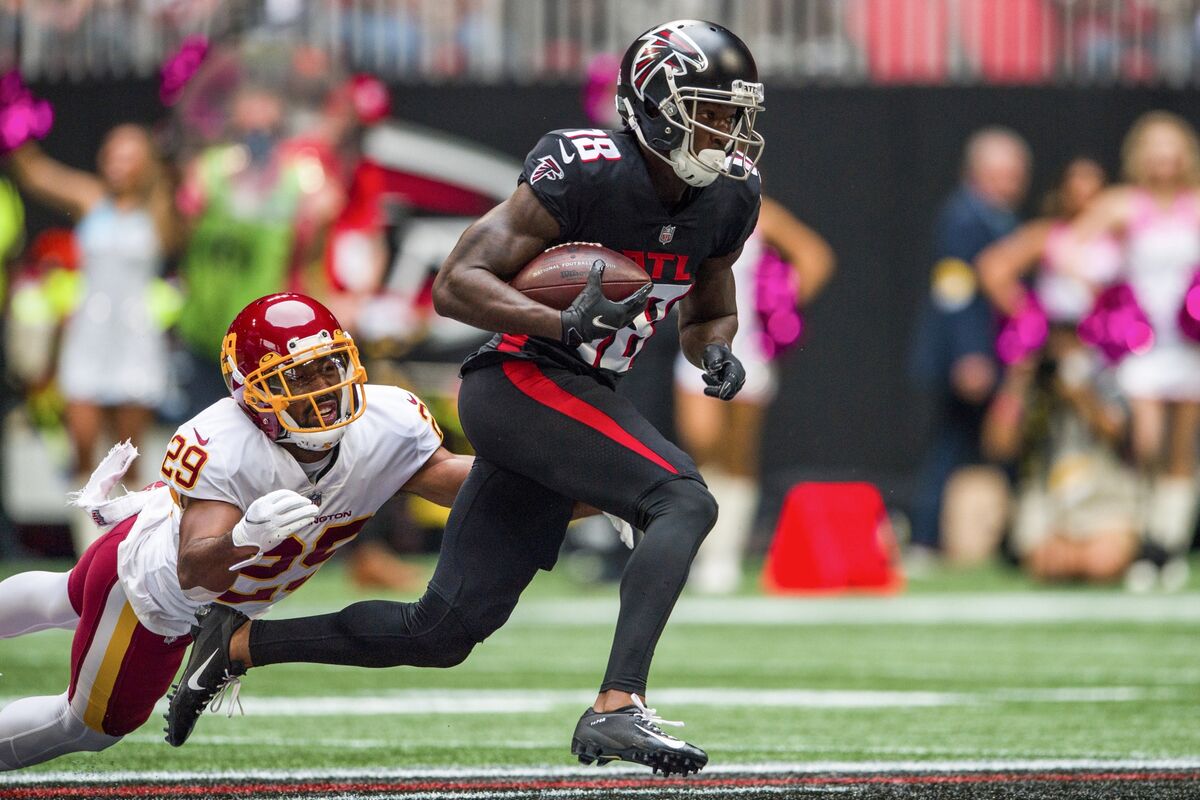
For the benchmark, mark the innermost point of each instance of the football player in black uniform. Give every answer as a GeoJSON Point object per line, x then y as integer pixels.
{"type": "Point", "coordinates": [676, 190]}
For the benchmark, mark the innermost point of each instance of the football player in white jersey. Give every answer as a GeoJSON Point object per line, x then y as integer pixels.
{"type": "Point", "coordinates": [257, 492]}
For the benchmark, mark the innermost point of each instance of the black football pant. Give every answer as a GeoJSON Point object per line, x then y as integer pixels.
{"type": "Point", "coordinates": [544, 437]}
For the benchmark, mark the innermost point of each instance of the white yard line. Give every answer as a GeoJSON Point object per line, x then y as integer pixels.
{"type": "Point", "coordinates": [469, 773]}
{"type": "Point", "coordinates": [1009, 608]}
{"type": "Point", "coordinates": [522, 701]}
{"type": "Point", "coordinates": [995, 608]}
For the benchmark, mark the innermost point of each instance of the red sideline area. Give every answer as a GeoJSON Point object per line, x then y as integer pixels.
{"type": "Point", "coordinates": [514, 785]}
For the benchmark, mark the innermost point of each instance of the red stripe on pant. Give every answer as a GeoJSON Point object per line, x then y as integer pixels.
{"type": "Point", "coordinates": [527, 377]}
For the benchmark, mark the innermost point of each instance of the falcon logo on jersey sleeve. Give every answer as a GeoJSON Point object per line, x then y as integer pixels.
{"type": "Point", "coordinates": [547, 168]}
{"type": "Point", "coordinates": [664, 48]}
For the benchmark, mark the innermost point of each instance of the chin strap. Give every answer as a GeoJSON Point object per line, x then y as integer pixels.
{"type": "Point", "coordinates": [697, 170]}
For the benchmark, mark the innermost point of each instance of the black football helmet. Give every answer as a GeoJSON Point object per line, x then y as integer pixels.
{"type": "Point", "coordinates": [672, 68]}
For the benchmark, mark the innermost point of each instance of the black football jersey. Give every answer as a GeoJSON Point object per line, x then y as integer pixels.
{"type": "Point", "coordinates": [596, 184]}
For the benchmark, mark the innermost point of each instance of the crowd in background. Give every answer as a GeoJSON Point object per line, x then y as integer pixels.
{"type": "Point", "coordinates": [1065, 364]}
{"type": "Point", "coordinates": [853, 41]}
{"type": "Point", "coordinates": [121, 319]}
{"type": "Point", "coordinates": [1060, 354]}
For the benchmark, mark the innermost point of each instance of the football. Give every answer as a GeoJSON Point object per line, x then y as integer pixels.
{"type": "Point", "coordinates": [556, 277]}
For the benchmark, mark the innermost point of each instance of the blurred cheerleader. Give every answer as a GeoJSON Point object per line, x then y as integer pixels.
{"type": "Point", "coordinates": [1065, 291]}
{"type": "Point", "coordinates": [783, 264]}
{"type": "Point", "coordinates": [112, 366]}
{"type": "Point", "coordinates": [1057, 414]}
{"type": "Point", "coordinates": [1156, 215]}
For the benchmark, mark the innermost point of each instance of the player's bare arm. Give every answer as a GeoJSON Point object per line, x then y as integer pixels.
{"type": "Point", "coordinates": [206, 548]}
{"type": "Point", "coordinates": [472, 285]}
{"type": "Point", "coordinates": [439, 480]}
{"type": "Point", "coordinates": [708, 315]}
{"type": "Point", "coordinates": [707, 325]}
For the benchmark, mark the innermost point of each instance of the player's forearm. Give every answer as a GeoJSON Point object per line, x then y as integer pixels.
{"type": "Point", "coordinates": [474, 295]}
{"type": "Point", "coordinates": [695, 336]}
{"type": "Point", "coordinates": [206, 562]}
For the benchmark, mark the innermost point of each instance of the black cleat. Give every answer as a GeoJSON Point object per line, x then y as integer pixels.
{"type": "Point", "coordinates": [633, 734]}
{"type": "Point", "coordinates": [209, 670]}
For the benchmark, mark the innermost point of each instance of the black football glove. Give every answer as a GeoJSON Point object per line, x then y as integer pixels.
{"type": "Point", "coordinates": [594, 316]}
{"type": "Point", "coordinates": [723, 373]}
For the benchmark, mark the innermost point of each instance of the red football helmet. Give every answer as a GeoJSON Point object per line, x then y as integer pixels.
{"type": "Point", "coordinates": [287, 349]}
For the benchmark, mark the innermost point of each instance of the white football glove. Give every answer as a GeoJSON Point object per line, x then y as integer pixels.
{"type": "Point", "coordinates": [269, 520]}
{"type": "Point", "coordinates": [624, 529]}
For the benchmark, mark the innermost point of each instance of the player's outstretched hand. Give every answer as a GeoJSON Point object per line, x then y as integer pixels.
{"type": "Point", "coordinates": [594, 316]}
{"type": "Point", "coordinates": [269, 520]}
{"type": "Point", "coordinates": [723, 373]}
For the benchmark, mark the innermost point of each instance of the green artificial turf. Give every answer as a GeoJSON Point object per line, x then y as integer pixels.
{"type": "Point", "coordinates": [868, 691]}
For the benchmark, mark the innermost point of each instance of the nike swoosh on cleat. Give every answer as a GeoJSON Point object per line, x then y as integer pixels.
{"type": "Point", "coordinates": [195, 687]}
{"type": "Point", "coordinates": [667, 740]}
{"type": "Point", "coordinates": [596, 321]}
{"type": "Point", "coordinates": [567, 159]}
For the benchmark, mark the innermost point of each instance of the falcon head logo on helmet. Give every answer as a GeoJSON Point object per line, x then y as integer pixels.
{"type": "Point", "coordinates": [664, 48]}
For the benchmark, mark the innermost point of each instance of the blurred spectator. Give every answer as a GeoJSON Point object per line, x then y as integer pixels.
{"type": "Point", "coordinates": [904, 40]}
{"type": "Point", "coordinates": [1156, 214]}
{"type": "Point", "coordinates": [1060, 418]}
{"type": "Point", "coordinates": [1011, 41]}
{"type": "Point", "coordinates": [1119, 41]}
{"type": "Point", "coordinates": [112, 366]}
{"type": "Point", "coordinates": [952, 358]}
{"type": "Point", "coordinates": [43, 293]}
{"type": "Point", "coordinates": [1063, 289]}
{"type": "Point", "coordinates": [724, 437]}
{"type": "Point", "coordinates": [250, 202]}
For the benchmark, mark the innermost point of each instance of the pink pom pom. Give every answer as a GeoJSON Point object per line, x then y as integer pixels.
{"type": "Point", "coordinates": [776, 297]}
{"type": "Point", "coordinates": [22, 116]}
{"type": "Point", "coordinates": [1189, 312]}
{"type": "Point", "coordinates": [1024, 332]}
{"type": "Point", "coordinates": [179, 68]}
{"type": "Point", "coordinates": [1117, 325]}
{"type": "Point", "coordinates": [371, 98]}
{"type": "Point", "coordinates": [11, 87]}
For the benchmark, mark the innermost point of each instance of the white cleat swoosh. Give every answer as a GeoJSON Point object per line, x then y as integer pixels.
{"type": "Point", "coordinates": [669, 741]}
{"type": "Point", "coordinates": [195, 687]}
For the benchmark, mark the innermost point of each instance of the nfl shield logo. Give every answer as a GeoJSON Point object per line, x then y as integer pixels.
{"type": "Point", "coordinates": [666, 234]}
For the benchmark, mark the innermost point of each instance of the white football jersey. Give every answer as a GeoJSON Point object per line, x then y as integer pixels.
{"type": "Point", "coordinates": [220, 455]}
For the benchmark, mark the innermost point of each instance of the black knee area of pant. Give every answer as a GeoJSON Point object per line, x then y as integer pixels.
{"type": "Point", "coordinates": [686, 502]}
{"type": "Point", "coordinates": [427, 633]}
